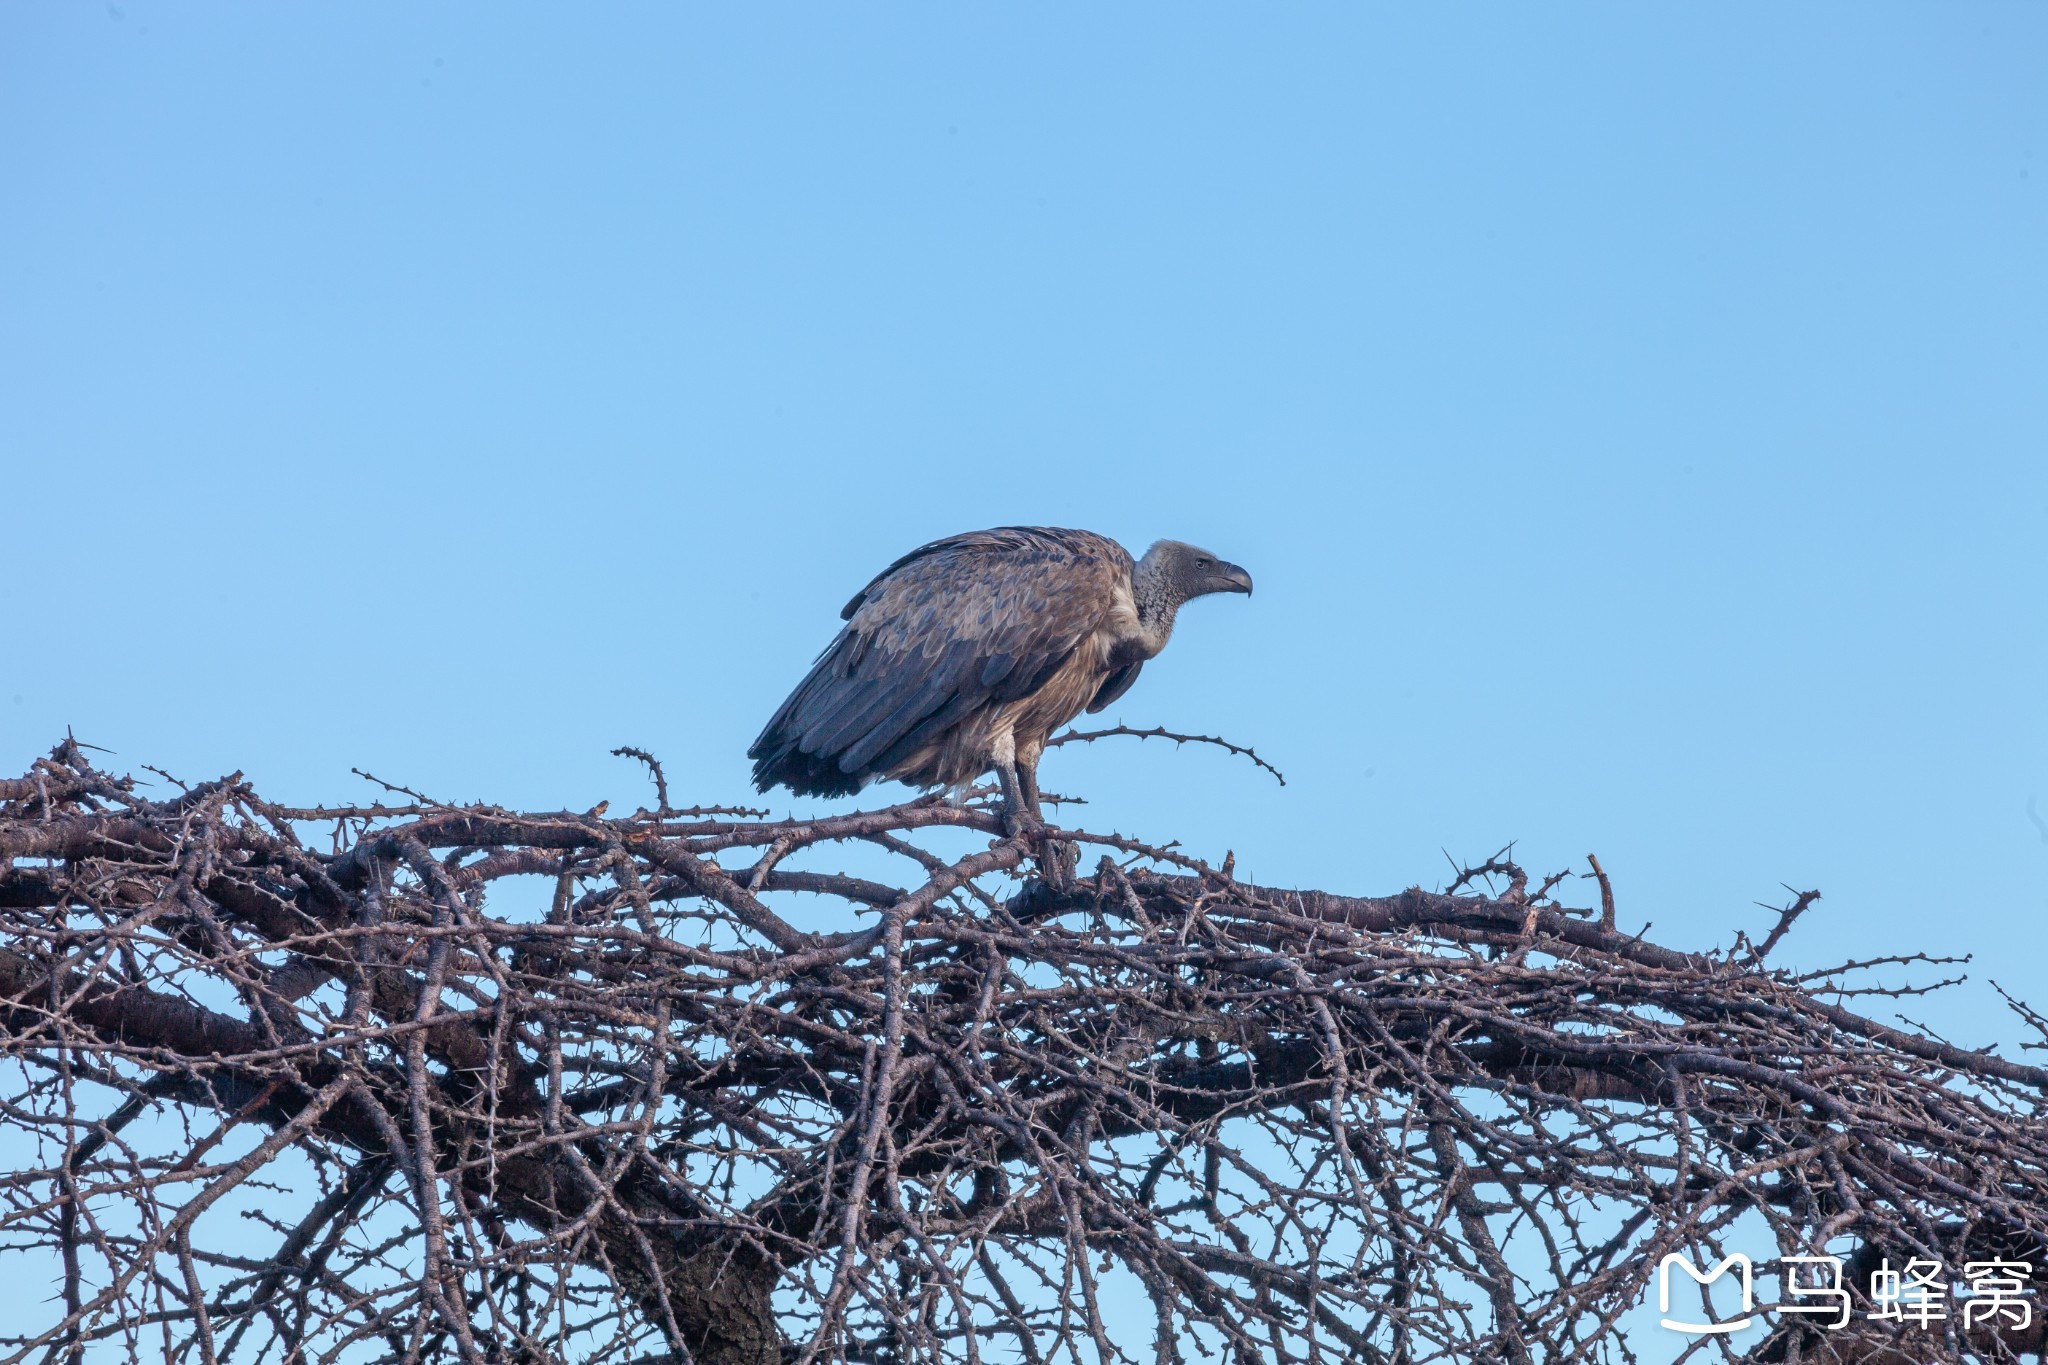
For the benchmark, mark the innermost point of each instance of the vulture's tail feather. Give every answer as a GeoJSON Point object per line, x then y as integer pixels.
{"type": "Point", "coordinates": [781, 763]}
{"type": "Point", "coordinates": [791, 751]}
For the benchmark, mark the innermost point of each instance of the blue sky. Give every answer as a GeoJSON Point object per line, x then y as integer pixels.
{"type": "Point", "coordinates": [1633, 416]}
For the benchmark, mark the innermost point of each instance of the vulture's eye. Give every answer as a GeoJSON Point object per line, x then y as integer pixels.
{"type": "Point", "coordinates": [1201, 563]}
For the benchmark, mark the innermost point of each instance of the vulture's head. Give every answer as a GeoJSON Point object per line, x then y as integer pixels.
{"type": "Point", "coordinates": [1176, 572]}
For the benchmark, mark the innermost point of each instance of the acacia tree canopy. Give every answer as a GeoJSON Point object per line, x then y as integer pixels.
{"type": "Point", "coordinates": [421, 1081]}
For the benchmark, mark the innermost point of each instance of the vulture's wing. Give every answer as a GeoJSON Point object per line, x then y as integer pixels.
{"type": "Point", "coordinates": [1115, 685]}
{"type": "Point", "coordinates": [984, 617]}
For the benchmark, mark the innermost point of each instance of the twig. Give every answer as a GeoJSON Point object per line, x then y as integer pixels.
{"type": "Point", "coordinates": [1606, 894]}
{"type": "Point", "coordinates": [1787, 916]}
{"type": "Point", "coordinates": [1161, 732]}
{"type": "Point", "coordinates": [662, 807]}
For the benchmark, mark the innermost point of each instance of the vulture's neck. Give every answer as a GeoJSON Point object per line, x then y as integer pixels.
{"type": "Point", "coordinates": [1156, 603]}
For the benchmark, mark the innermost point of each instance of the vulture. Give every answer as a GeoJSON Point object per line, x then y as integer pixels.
{"type": "Point", "coordinates": [967, 653]}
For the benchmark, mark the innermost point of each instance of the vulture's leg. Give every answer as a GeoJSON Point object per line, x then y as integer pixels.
{"type": "Point", "coordinates": [1027, 787]}
{"type": "Point", "coordinates": [1020, 817]}
{"type": "Point", "coordinates": [1056, 857]}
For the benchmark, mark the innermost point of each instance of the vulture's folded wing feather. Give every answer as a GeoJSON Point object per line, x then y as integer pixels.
{"type": "Point", "coordinates": [1114, 686]}
{"type": "Point", "coordinates": [1126, 659]}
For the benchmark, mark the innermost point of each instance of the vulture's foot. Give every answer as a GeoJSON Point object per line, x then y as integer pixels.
{"type": "Point", "coordinates": [1057, 859]}
{"type": "Point", "coordinates": [1022, 822]}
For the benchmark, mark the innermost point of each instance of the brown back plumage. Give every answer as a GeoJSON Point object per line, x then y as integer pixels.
{"type": "Point", "coordinates": [944, 636]}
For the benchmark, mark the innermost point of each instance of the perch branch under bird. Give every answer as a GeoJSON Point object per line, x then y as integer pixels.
{"type": "Point", "coordinates": [414, 1081]}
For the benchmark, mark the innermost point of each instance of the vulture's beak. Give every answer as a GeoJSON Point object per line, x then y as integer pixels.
{"type": "Point", "coordinates": [1231, 578]}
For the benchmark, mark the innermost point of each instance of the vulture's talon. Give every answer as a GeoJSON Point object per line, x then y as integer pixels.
{"type": "Point", "coordinates": [1025, 826]}
{"type": "Point", "coordinates": [1057, 858]}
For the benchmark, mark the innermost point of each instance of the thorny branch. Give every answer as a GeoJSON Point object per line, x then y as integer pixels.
{"type": "Point", "coordinates": [1161, 732]}
{"type": "Point", "coordinates": [430, 1082]}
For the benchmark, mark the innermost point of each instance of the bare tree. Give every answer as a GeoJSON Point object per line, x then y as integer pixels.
{"type": "Point", "coordinates": [412, 1080]}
